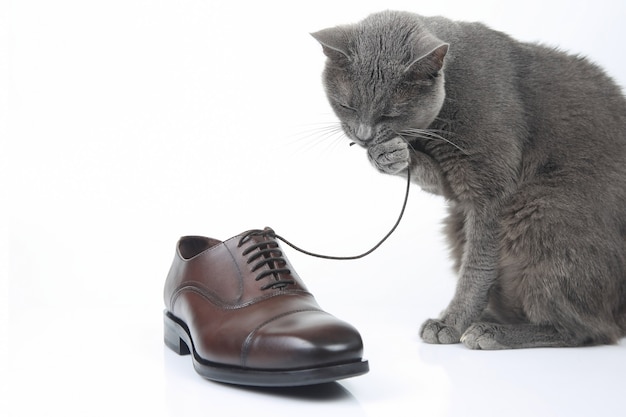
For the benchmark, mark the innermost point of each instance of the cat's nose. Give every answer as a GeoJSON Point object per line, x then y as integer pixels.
{"type": "Point", "coordinates": [364, 132]}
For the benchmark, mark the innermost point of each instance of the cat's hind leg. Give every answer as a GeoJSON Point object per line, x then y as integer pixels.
{"type": "Point", "coordinates": [491, 336]}
{"type": "Point", "coordinates": [558, 278]}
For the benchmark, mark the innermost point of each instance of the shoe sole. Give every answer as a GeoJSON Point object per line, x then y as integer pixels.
{"type": "Point", "coordinates": [178, 339]}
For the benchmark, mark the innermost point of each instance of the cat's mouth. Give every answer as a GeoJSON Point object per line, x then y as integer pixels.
{"type": "Point", "coordinates": [362, 144]}
{"type": "Point", "coordinates": [416, 145]}
{"type": "Point", "coordinates": [371, 142]}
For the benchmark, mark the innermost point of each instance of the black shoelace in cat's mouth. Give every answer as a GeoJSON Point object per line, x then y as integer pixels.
{"type": "Point", "coordinates": [266, 252]}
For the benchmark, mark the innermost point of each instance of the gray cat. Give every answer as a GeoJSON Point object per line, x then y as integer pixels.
{"type": "Point", "coordinates": [528, 146]}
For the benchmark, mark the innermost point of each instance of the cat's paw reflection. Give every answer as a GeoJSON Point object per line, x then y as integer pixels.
{"type": "Point", "coordinates": [437, 332]}
{"type": "Point", "coordinates": [390, 157]}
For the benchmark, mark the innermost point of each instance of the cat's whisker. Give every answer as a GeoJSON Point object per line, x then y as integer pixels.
{"type": "Point", "coordinates": [432, 131]}
{"type": "Point", "coordinates": [317, 132]}
{"type": "Point", "coordinates": [431, 135]}
{"type": "Point", "coordinates": [329, 133]}
{"type": "Point", "coordinates": [441, 119]}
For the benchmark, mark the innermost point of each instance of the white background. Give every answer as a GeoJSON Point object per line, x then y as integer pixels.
{"type": "Point", "coordinates": [125, 124]}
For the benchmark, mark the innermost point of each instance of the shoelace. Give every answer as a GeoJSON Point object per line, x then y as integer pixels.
{"type": "Point", "coordinates": [269, 250]}
{"type": "Point", "coordinates": [364, 254]}
{"type": "Point", "coordinates": [266, 252]}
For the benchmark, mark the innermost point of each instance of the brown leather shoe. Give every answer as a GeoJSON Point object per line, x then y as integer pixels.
{"type": "Point", "coordinates": [246, 317]}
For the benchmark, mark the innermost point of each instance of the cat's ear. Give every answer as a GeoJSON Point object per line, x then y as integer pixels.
{"type": "Point", "coordinates": [335, 43]}
{"type": "Point", "coordinates": [428, 65]}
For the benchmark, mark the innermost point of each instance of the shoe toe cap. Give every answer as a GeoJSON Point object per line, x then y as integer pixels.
{"type": "Point", "coordinates": [302, 339]}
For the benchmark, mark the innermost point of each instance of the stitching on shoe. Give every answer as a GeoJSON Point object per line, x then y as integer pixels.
{"type": "Point", "coordinates": [241, 276]}
{"type": "Point", "coordinates": [245, 347]}
{"type": "Point", "coordinates": [210, 295]}
{"type": "Point", "coordinates": [204, 292]}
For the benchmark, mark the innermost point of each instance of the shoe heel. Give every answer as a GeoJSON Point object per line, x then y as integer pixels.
{"type": "Point", "coordinates": [171, 336]}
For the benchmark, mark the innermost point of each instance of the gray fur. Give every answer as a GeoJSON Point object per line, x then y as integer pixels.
{"type": "Point", "coordinates": [528, 146]}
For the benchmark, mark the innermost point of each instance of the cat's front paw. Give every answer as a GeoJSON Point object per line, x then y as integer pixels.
{"type": "Point", "coordinates": [438, 332]}
{"type": "Point", "coordinates": [482, 336]}
{"type": "Point", "coordinates": [390, 157]}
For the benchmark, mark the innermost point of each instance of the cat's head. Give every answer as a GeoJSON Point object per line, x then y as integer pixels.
{"type": "Point", "coordinates": [382, 76]}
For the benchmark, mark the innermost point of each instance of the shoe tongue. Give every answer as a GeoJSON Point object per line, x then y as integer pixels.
{"type": "Point", "coordinates": [256, 239]}
{"type": "Point", "coordinates": [259, 237]}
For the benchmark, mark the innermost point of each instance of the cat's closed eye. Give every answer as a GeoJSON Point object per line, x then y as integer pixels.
{"type": "Point", "coordinates": [347, 108]}
{"type": "Point", "coordinates": [389, 116]}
